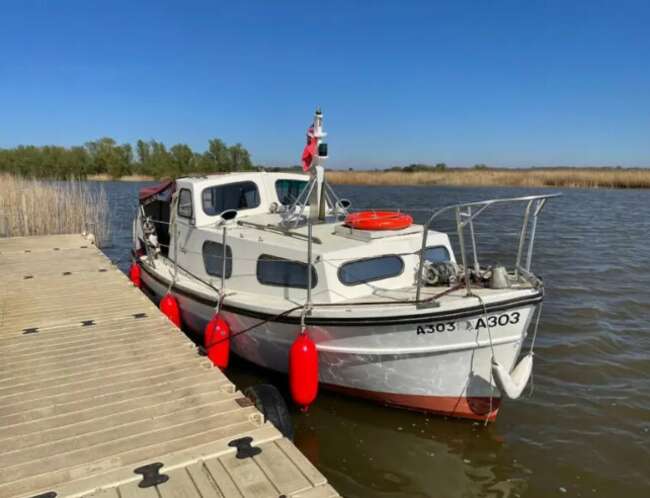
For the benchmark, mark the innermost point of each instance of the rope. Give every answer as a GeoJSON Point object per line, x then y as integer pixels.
{"type": "Point", "coordinates": [539, 314]}
{"type": "Point", "coordinates": [532, 345]}
{"type": "Point", "coordinates": [486, 321]}
{"type": "Point", "coordinates": [487, 324]}
{"type": "Point", "coordinates": [272, 318]}
{"type": "Point", "coordinates": [173, 226]}
{"type": "Point", "coordinates": [258, 324]}
{"type": "Point", "coordinates": [217, 308]}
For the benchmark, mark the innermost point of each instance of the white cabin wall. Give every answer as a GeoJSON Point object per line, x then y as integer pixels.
{"type": "Point", "coordinates": [248, 244]}
{"type": "Point", "coordinates": [265, 184]}
{"type": "Point", "coordinates": [406, 247]}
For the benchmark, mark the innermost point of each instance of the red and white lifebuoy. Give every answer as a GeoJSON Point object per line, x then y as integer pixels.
{"type": "Point", "coordinates": [379, 220]}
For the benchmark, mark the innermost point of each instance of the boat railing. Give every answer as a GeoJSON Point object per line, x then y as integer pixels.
{"type": "Point", "coordinates": [465, 215]}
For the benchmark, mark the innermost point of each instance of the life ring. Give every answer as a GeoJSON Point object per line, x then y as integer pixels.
{"type": "Point", "coordinates": [379, 220]}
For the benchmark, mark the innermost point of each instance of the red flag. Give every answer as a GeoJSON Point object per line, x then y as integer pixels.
{"type": "Point", "coordinates": [310, 149]}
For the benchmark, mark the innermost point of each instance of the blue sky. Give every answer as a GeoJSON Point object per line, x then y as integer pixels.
{"type": "Point", "coordinates": [511, 83]}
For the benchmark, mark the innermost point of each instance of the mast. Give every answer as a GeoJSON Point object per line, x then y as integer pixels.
{"type": "Point", "coordinates": [317, 194]}
{"type": "Point", "coordinates": [317, 204]}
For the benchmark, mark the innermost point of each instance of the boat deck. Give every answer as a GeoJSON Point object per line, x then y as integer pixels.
{"type": "Point", "coordinates": [96, 383]}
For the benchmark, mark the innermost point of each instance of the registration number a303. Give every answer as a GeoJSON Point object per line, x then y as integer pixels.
{"type": "Point", "coordinates": [483, 322]}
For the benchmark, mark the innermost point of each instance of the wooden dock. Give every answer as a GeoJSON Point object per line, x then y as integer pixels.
{"type": "Point", "coordinates": [100, 395]}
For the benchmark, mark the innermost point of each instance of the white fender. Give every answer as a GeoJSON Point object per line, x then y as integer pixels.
{"type": "Point", "coordinates": [513, 384]}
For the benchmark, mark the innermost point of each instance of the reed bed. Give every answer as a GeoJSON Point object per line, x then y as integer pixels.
{"type": "Point", "coordinates": [35, 207]}
{"type": "Point", "coordinates": [556, 177]}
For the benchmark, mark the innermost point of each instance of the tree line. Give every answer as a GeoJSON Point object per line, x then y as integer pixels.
{"type": "Point", "coordinates": [106, 156]}
{"type": "Point", "coordinates": [414, 168]}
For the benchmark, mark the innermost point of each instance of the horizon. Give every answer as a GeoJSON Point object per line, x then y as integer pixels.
{"type": "Point", "coordinates": [510, 85]}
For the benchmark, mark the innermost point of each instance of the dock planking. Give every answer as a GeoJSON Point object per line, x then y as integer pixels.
{"type": "Point", "coordinates": [95, 383]}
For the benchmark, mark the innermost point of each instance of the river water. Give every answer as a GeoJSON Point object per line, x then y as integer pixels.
{"type": "Point", "coordinates": [585, 428]}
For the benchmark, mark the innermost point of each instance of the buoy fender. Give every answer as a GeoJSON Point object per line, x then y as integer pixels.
{"type": "Point", "coordinates": [216, 339]}
{"type": "Point", "coordinates": [135, 275]}
{"type": "Point", "coordinates": [169, 307]}
{"type": "Point", "coordinates": [513, 384]}
{"type": "Point", "coordinates": [303, 371]}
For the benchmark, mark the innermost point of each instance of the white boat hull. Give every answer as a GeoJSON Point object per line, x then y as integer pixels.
{"type": "Point", "coordinates": [439, 366]}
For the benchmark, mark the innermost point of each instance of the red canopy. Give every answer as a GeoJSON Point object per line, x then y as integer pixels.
{"type": "Point", "coordinates": [148, 192]}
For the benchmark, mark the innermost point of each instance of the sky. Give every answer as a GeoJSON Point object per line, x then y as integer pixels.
{"type": "Point", "coordinates": [504, 83]}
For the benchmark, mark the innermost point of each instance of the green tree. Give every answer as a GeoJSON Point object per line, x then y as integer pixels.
{"type": "Point", "coordinates": [182, 159]}
{"type": "Point", "coordinates": [108, 157]}
{"type": "Point", "coordinates": [79, 162]}
{"type": "Point", "coordinates": [122, 161]}
{"type": "Point", "coordinates": [28, 161]}
{"type": "Point", "coordinates": [143, 152]}
{"type": "Point", "coordinates": [105, 156]}
{"type": "Point", "coordinates": [52, 161]}
{"type": "Point", "coordinates": [220, 155]}
{"type": "Point", "coordinates": [101, 153]}
{"type": "Point", "coordinates": [240, 159]}
{"type": "Point", "coordinates": [160, 161]}
{"type": "Point", "coordinates": [204, 163]}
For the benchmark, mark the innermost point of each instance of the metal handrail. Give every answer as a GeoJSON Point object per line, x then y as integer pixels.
{"type": "Point", "coordinates": [465, 216]}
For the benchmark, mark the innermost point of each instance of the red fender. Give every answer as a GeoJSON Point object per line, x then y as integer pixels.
{"type": "Point", "coordinates": [303, 371]}
{"type": "Point", "coordinates": [135, 275]}
{"type": "Point", "coordinates": [169, 306]}
{"type": "Point", "coordinates": [216, 339]}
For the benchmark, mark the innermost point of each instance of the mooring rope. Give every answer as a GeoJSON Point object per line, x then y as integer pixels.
{"type": "Point", "coordinates": [258, 324]}
{"type": "Point", "coordinates": [532, 345]}
{"type": "Point", "coordinates": [487, 325]}
{"type": "Point", "coordinates": [173, 226]}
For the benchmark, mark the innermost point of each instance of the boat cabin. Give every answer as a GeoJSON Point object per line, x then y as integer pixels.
{"type": "Point", "coordinates": [263, 255]}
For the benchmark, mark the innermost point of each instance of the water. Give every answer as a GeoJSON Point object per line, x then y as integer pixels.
{"type": "Point", "coordinates": [586, 429]}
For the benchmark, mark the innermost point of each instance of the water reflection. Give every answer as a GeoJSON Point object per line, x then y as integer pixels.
{"type": "Point", "coordinates": [393, 453]}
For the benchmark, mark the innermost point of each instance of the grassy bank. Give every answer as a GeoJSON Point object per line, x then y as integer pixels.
{"type": "Point", "coordinates": [556, 177]}
{"type": "Point", "coordinates": [34, 207]}
{"type": "Point", "coordinates": [552, 177]}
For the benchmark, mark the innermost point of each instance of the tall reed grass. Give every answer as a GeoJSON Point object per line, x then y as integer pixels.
{"type": "Point", "coordinates": [556, 177]}
{"type": "Point", "coordinates": [35, 207]}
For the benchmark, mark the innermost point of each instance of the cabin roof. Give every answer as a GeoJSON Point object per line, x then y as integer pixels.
{"type": "Point", "coordinates": [224, 178]}
{"type": "Point", "coordinates": [269, 232]}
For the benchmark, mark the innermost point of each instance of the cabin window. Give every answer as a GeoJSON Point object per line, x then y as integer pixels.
{"type": "Point", "coordinates": [436, 254]}
{"type": "Point", "coordinates": [185, 203]}
{"type": "Point", "coordinates": [289, 190]}
{"type": "Point", "coordinates": [238, 196]}
{"type": "Point", "coordinates": [213, 258]}
{"type": "Point", "coordinates": [272, 270]}
{"type": "Point", "coordinates": [370, 269]}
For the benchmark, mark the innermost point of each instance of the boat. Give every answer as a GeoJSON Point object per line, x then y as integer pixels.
{"type": "Point", "coordinates": [395, 314]}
